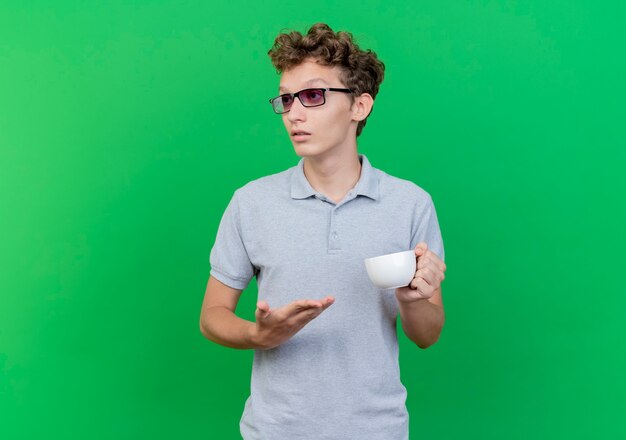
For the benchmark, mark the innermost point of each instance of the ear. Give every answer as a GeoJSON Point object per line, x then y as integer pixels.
{"type": "Point", "coordinates": [362, 106]}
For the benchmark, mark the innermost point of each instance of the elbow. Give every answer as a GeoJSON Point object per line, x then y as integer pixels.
{"type": "Point", "coordinates": [429, 339]}
{"type": "Point", "coordinates": [204, 328]}
{"type": "Point", "coordinates": [424, 344]}
{"type": "Point", "coordinates": [206, 320]}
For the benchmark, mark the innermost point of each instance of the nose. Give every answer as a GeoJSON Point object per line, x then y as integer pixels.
{"type": "Point", "coordinates": [297, 112]}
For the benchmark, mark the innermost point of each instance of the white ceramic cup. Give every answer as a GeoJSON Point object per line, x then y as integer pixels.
{"type": "Point", "coordinates": [392, 270]}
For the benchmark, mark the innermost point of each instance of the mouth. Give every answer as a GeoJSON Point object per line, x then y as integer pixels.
{"type": "Point", "coordinates": [300, 135]}
{"type": "Point", "coordinates": [299, 132]}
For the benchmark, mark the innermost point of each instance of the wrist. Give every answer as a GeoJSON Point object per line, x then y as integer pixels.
{"type": "Point", "coordinates": [412, 303]}
{"type": "Point", "coordinates": [253, 338]}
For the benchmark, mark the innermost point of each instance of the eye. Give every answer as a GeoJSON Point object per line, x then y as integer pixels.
{"type": "Point", "coordinates": [286, 99]}
{"type": "Point", "coordinates": [313, 96]}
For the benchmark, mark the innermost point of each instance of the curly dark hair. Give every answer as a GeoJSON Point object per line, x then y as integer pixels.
{"type": "Point", "coordinates": [361, 70]}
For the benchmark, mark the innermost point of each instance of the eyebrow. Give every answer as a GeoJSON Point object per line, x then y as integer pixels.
{"type": "Point", "coordinates": [309, 82]}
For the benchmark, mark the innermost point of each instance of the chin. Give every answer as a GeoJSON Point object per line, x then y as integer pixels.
{"type": "Point", "coordinates": [308, 150]}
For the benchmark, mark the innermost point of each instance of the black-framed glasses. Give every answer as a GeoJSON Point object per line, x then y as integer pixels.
{"type": "Point", "coordinates": [308, 98]}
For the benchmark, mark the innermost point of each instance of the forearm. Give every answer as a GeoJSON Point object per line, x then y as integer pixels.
{"type": "Point", "coordinates": [422, 321]}
{"type": "Point", "coordinates": [222, 326]}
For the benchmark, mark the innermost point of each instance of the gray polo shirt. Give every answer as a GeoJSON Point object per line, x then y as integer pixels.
{"type": "Point", "coordinates": [338, 378]}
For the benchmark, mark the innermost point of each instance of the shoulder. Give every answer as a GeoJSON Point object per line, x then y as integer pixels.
{"type": "Point", "coordinates": [397, 188]}
{"type": "Point", "coordinates": [264, 188]}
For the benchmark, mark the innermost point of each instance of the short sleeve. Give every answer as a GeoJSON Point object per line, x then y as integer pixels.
{"type": "Point", "coordinates": [229, 259]}
{"type": "Point", "coordinates": [425, 227]}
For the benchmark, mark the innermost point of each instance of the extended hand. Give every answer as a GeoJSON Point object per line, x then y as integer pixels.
{"type": "Point", "coordinates": [273, 327]}
{"type": "Point", "coordinates": [428, 277]}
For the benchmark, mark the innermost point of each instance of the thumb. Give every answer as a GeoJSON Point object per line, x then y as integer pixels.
{"type": "Point", "coordinates": [262, 310]}
{"type": "Point", "coordinates": [421, 248]}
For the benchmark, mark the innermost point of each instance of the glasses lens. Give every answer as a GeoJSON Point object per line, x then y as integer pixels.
{"type": "Point", "coordinates": [312, 97]}
{"type": "Point", "coordinates": [282, 103]}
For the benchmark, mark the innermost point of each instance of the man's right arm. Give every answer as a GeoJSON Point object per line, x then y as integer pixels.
{"type": "Point", "coordinates": [219, 323]}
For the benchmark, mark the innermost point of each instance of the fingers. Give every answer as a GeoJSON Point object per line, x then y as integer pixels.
{"type": "Point", "coordinates": [328, 301]}
{"type": "Point", "coordinates": [306, 304]}
{"type": "Point", "coordinates": [432, 277]}
{"type": "Point", "coordinates": [425, 289]}
{"type": "Point", "coordinates": [308, 315]}
{"type": "Point", "coordinates": [314, 312]}
{"type": "Point", "coordinates": [429, 258]}
{"type": "Point", "coordinates": [325, 303]}
{"type": "Point", "coordinates": [262, 310]}
{"type": "Point", "coordinates": [426, 257]}
{"type": "Point", "coordinates": [306, 308]}
{"type": "Point", "coordinates": [300, 306]}
{"type": "Point", "coordinates": [430, 270]}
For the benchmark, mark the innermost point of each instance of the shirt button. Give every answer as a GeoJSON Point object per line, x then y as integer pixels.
{"type": "Point", "coordinates": [334, 235]}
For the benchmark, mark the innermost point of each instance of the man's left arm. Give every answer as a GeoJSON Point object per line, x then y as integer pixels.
{"type": "Point", "coordinates": [421, 304]}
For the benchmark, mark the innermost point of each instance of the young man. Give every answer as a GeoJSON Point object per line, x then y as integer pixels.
{"type": "Point", "coordinates": [326, 350]}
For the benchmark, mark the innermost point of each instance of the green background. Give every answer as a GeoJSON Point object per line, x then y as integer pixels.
{"type": "Point", "coordinates": [125, 127]}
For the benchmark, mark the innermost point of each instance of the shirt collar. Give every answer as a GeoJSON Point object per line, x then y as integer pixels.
{"type": "Point", "coordinates": [366, 186]}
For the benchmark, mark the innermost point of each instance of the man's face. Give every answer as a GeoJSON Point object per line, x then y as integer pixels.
{"type": "Point", "coordinates": [330, 126]}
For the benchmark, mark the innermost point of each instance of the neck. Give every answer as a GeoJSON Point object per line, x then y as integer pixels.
{"type": "Point", "coordinates": [334, 175]}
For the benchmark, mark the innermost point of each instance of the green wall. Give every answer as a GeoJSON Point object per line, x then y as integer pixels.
{"type": "Point", "coordinates": [125, 127]}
